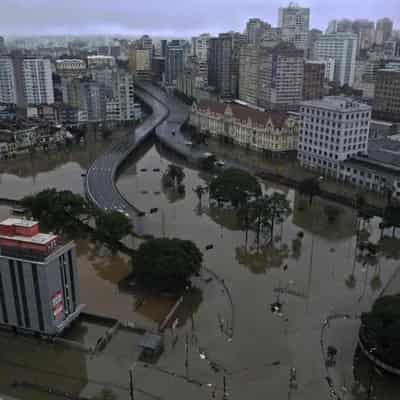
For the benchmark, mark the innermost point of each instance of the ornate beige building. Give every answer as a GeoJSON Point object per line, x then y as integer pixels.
{"type": "Point", "coordinates": [275, 132]}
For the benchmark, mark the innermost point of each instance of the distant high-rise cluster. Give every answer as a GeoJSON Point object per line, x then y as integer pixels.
{"type": "Point", "coordinates": [264, 66]}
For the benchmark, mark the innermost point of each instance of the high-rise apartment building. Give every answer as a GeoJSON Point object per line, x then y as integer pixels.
{"type": "Point", "coordinates": [92, 100]}
{"type": "Point", "coordinates": [140, 63]}
{"type": "Point", "coordinates": [213, 62]}
{"type": "Point", "coordinates": [387, 93]}
{"type": "Point", "coordinates": [256, 29]}
{"type": "Point", "coordinates": [174, 61]}
{"type": "Point", "coordinates": [294, 22]}
{"type": "Point", "coordinates": [200, 46]}
{"type": "Point", "coordinates": [249, 73]}
{"type": "Point", "coordinates": [121, 106]}
{"type": "Point", "coordinates": [384, 29]}
{"type": "Point", "coordinates": [281, 78]}
{"type": "Point", "coordinates": [200, 50]}
{"type": "Point", "coordinates": [223, 64]}
{"type": "Point", "coordinates": [342, 47]}
{"type": "Point", "coordinates": [365, 30]}
{"type": "Point", "coordinates": [146, 43]}
{"type": "Point", "coordinates": [2, 44]}
{"type": "Point", "coordinates": [333, 129]}
{"type": "Point", "coordinates": [39, 284]}
{"type": "Point", "coordinates": [314, 78]}
{"type": "Point", "coordinates": [8, 91]}
{"type": "Point", "coordinates": [271, 77]}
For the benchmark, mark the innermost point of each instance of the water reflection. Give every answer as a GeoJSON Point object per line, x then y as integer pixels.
{"type": "Point", "coordinates": [370, 383]}
{"type": "Point", "coordinates": [324, 218]}
{"type": "Point", "coordinates": [261, 260]}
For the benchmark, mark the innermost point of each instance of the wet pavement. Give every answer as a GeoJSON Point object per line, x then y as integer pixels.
{"type": "Point", "coordinates": [232, 332]}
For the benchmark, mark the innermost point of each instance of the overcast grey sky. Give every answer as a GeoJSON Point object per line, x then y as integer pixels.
{"type": "Point", "coordinates": [170, 17]}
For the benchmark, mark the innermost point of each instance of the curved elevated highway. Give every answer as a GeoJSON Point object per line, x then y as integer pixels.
{"type": "Point", "coordinates": [100, 185]}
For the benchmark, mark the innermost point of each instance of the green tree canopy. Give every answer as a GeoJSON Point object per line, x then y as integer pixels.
{"type": "Point", "coordinates": [58, 211]}
{"type": "Point", "coordinates": [234, 185]}
{"type": "Point", "coordinates": [381, 329]}
{"type": "Point", "coordinates": [208, 163]}
{"type": "Point", "coordinates": [391, 217]}
{"type": "Point", "coordinates": [167, 264]}
{"type": "Point", "coordinates": [113, 226]}
{"type": "Point", "coordinates": [175, 174]}
{"type": "Point", "coordinates": [310, 187]}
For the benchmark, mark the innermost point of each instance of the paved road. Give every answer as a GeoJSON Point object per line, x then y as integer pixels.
{"type": "Point", "coordinates": [100, 178]}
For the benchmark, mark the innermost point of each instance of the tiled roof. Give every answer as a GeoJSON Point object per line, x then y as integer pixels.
{"type": "Point", "coordinates": [243, 113]}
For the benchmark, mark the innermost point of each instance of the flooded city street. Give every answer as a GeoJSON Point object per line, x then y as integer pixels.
{"type": "Point", "coordinates": [226, 330]}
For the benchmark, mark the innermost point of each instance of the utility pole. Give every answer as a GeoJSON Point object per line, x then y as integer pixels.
{"type": "Point", "coordinates": [225, 395]}
{"type": "Point", "coordinates": [131, 381]}
{"type": "Point", "coordinates": [187, 355]}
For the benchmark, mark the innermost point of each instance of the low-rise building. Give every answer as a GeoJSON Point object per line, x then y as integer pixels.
{"type": "Point", "coordinates": [39, 285]}
{"type": "Point", "coordinates": [20, 137]}
{"type": "Point", "coordinates": [274, 132]}
{"type": "Point", "coordinates": [71, 68]}
{"type": "Point", "coordinates": [377, 171]}
{"type": "Point", "coordinates": [97, 61]}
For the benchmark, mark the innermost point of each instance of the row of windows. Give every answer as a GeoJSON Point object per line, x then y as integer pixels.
{"type": "Point", "coordinates": [339, 116]}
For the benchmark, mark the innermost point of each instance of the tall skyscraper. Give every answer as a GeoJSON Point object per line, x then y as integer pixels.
{"type": "Point", "coordinates": [121, 105]}
{"type": "Point", "coordinates": [271, 77]}
{"type": "Point", "coordinates": [294, 22]}
{"type": "Point", "coordinates": [2, 44]}
{"type": "Point", "coordinates": [213, 62]}
{"type": "Point", "coordinates": [200, 46]}
{"type": "Point", "coordinates": [174, 61]}
{"type": "Point", "coordinates": [8, 91]}
{"type": "Point", "coordinates": [342, 47]}
{"type": "Point", "coordinates": [26, 80]}
{"type": "Point", "coordinates": [281, 78]}
{"type": "Point", "coordinates": [314, 78]}
{"type": "Point", "coordinates": [366, 33]}
{"type": "Point", "coordinates": [256, 29]}
{"type": "Point", "coordinates": [384, 29]}
{"type": "Point", "coordinates": [227, 63]}
{"type": "Point", "coordinates": [387, 93]}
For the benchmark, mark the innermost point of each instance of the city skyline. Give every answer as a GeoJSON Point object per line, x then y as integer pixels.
{"type": "Point", "coordinates": [44, 17]}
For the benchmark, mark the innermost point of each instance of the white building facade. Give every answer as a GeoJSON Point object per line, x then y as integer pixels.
{"type": "Point", "coordinates": [342, 47]}
{"type": "Point", "coordinates": [38, 81]}
{"type": "Point", "coordinates": [294, 22]}
{"type": "Point", "coordinates": [332, 130]}
{"type": "Point", "coordinates": [7, 81]}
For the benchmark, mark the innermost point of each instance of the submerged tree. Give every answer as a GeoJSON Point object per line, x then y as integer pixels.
{"type": "Point", "coordinates": [310, 187]}
{"type": "Point", "coordinates": [236, 186]}
{"type": "Point", "coordinates": [167, 264]}
{"type": "Point", "coordinates": [175, 174]}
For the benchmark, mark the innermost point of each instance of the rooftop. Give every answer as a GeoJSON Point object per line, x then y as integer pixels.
{"type": "Point", "coordinates": [337, 103]}
{"type": "Point", "coordinates": [40, 238]}
{"type": "Point", "coordinates": [243, 113]}
{"type": "Point", "coordinates": [383, 154]}
{"type": "Point", "coordinates": [25, 223]}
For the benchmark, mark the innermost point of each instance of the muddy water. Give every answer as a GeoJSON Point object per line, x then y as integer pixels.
{"type": "Point", "coordinates": [312, 272]}
{"type": "Point", "coordinates": [232, 325]}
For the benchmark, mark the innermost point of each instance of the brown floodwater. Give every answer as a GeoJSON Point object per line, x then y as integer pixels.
{"type": "Point", "coordinates": [232, 328]}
